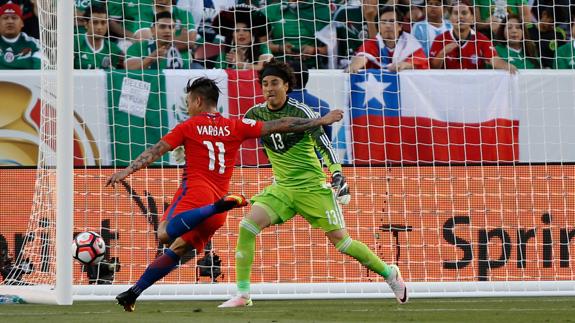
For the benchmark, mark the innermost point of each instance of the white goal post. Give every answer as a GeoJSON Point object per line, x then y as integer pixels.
{"type": "Point", "coordinates": [56, 126]}
{"type": "Point", "coordinates": [64, 153]}
{"type": "Point", "coordinates": [464, 179]}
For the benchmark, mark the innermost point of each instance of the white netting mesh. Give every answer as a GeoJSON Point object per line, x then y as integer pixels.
{"type": "Point", "coordinates": [456, 176]}
{"type": "Point", "coordinates": [36, 260]}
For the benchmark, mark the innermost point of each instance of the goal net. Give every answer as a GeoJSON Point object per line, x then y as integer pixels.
{"type": "Point", "coordinates": [462, 176]}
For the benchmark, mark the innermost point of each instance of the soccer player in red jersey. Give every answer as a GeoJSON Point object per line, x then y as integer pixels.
{"type": "Point", "coordinates": [211, 144]}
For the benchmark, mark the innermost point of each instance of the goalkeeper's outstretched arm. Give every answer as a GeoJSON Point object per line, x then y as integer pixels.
{"type": "Point", "coordinates": [294, 124]}
{"type": "Point", "coordinates": [149, 156]}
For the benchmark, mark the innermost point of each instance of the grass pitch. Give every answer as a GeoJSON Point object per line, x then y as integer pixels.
{"type": "Point", "coordinates": [548, 309]}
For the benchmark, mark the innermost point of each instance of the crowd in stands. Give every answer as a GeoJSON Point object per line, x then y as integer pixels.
{"type": "Point", "coordinates": [241, 34]}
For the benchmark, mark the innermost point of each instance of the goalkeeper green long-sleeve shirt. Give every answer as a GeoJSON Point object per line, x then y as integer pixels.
{"type": "Point", "coordinates": [293, 155]}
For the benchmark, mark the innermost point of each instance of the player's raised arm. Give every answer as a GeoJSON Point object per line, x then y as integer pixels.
{"type": "Point", "coordinates": [293, 124]}
{"type": "Point", "coordinates": [149, 156]}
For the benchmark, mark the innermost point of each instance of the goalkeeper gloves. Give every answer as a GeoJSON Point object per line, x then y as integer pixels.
{"type": "Point", "coordinates": [341, 188]}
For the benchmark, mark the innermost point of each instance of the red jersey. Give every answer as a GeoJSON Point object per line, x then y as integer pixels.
{"type": "Point", "coordinates": [471, 54]}
{"type": "Point", "coordinates": [212, 143]}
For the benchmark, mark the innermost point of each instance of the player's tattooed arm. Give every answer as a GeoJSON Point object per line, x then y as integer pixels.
{"type": "Point", "coordinates": [292, 124]}
{"type": "Point", "coordinates": [149, 156]}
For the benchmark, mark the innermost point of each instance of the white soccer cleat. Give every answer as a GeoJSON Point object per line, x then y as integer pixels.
{"type": "Point", "coordinates": [397, 285]}
{"type": "Point", "coordinates": [237, 301]}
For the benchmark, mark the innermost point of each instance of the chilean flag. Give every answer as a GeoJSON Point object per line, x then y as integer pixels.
{"type": "Point", "coordinates": [433, 117]}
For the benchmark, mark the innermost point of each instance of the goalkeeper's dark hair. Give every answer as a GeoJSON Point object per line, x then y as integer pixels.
{"type": "Point", "coordinates": [95, 8]}
{"type": "Point", "coordinates": [279, 69]}
{"type": "Point", "coordinates": [206, 88]}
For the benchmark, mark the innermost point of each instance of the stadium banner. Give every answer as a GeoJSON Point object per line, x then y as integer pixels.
{"type": "Point", "coordinates": [546, 133]}
{"type": "Point", "coordinates": [138, 116]}
{"type": "Point", "coordinates": [508, 223]}
{"type": "Point", "coordinates": [436, 116]}
{"type": "Point", "coordinates": [20, 121]}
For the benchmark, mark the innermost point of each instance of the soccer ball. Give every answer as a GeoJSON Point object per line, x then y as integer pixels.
{"type": "Point", "coordinates": [88, 248]}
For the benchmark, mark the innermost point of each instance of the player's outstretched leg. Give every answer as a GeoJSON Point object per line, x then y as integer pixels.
{"type": "Point", "coordinates": [245, 249]}
{"type": "Point", "coordinates": [127, 299]}
{"type": "Point", "coordinates": [367, 258]}
{"type": "Point", "coordinates": [188, 220]}
{"type": "Point", "coordinates": [158, 269]}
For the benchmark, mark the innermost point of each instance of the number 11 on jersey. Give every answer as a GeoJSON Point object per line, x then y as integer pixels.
{"type": "Point", "coordinates": [212, 155]}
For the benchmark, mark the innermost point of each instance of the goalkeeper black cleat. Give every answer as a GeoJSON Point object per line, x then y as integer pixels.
{"type": "Point", "coordinates": [128, 300]}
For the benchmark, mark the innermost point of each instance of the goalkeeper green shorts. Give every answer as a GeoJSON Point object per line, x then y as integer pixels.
{"type": "Point", "coordinates": [317, 206]}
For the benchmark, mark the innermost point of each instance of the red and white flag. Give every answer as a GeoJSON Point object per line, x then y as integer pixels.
{"type": "Point", "coordinates": [460, 117]}
{"type": "Point", "coordinates": [434, 117]}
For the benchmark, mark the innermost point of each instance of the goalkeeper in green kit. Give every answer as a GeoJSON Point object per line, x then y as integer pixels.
{"type": "Point", "coordinates": [299, 188]}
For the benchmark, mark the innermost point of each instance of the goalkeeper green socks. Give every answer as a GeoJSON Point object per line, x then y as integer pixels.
{"type": "Point", "coordinates": [364, 255]}
{"type": "Point", "coordinates": [245, 254]}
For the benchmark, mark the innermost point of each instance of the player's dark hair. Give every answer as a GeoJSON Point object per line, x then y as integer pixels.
{"type": "Point", "coordinates": [279, 69]}
{"type": "Point", "coordinates": [162, 15]}
{"type": "Point", "coordinates": [95, 8]}
{"type": "Point", "coordinates": [206, 88]}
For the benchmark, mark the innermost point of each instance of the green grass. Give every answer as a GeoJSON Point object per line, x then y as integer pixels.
{"type": "Point", "coordinates": [549, 309]}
